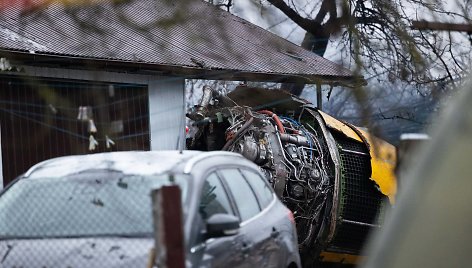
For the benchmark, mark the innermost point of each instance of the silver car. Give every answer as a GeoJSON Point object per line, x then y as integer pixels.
{"type": "Point", "coordinates": [95, 211]}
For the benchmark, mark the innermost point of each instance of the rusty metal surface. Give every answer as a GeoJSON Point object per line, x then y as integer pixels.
{"type": "Point", "coordinates": [187, 34]}
{"type": "Point", "coordinates": [262, 98]}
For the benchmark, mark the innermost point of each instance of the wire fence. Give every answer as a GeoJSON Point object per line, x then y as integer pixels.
{"type": "Point", "coordinates": [46, 118]}
{"type": "Point", "coordinates": [58, 217]}
{"type": "Point", "coordinates": [76, 212]}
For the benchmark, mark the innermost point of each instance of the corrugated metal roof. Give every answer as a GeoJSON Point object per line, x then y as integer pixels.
{"type": "Point", "coordinates": [187, 34]}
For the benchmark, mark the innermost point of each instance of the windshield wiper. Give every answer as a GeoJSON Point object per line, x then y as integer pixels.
{"type": "Point", "coordinates": [17, 237]}
{"type": "Point", "coordinates": [131, 235]}
{"type": "Point", "coordinates": [9, 248]}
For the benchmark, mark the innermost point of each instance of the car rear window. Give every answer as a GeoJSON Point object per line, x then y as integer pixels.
{"type": "Point", "coordinates": [87, 204]}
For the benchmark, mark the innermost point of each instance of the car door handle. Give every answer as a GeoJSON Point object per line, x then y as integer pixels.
{"type": "Point", "coordinates": [274, 233]}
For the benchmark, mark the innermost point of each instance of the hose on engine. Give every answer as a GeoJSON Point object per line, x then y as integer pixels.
{"type": "Point", "coordinates": [238, 134]}
{"type": "Point", "coordinates": [276, 119]}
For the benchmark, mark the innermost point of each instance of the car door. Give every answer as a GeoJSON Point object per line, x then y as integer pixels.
{"type": "Point", "coordinates": [221, 251]}
{"type": "Point", "coordinates": [255, 231]}
{"type": "Point", "coordinates": [275, 255]}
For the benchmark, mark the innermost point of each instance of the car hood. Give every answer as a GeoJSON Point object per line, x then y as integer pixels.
{"type": "Point", "coordinates": [72, 253]}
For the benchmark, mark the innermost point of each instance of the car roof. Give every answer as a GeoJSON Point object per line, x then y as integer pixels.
{"type": "Point", "coordinates": [135, 162]}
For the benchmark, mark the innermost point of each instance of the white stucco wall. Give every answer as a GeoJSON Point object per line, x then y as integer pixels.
{"type": "Point", "coordinates": [167, 113]}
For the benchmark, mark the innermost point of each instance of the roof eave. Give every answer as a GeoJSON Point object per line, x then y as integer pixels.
{"type": "Point", "coordinates": [188, 72]}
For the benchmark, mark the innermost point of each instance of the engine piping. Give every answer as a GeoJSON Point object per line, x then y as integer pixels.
{"type": "Point", "coordinates": [276, 119]}
{"type": "Point", "coordinates": [238, 134]}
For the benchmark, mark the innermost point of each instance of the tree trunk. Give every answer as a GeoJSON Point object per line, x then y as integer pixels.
{"type": "Point", "coordinates": [317, 35]}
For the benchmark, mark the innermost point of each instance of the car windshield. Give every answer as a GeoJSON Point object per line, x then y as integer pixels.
{"type": "Point", "coordinates": [87, 204]}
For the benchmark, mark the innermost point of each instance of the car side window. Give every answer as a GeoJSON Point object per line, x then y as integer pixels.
{"type": "Point", "coordinates": [263, 190]}
{"type": "Point", "coordinates": [243, 194]}
{"type": "Point", "coordinates": [214, 198]}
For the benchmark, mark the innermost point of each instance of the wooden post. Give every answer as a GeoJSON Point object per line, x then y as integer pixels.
{"type": "Point", "coordinates": [319, 97]}
{"type": "Point", "coordinates": [169, 250]}
{"type": "Point", "coordinates": [409, 142]}
{"type": "Point", "coordinates": [1, 161]}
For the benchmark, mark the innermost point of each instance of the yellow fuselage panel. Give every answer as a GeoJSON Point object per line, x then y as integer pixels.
{"type": "Point", "coordinates": [382, 153]}
{"type": "Point", "coordinates": [334, 257]}
{"type": "Point", "coordinates": [332, 122]}
{"type": "Point", "coordinates": [383, 160]}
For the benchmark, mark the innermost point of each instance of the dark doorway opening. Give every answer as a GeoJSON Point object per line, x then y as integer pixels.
{"type": "Point", "coordinates": [46, 118]}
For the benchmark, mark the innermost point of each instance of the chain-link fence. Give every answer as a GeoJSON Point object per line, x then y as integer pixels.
{"type": "Point", "coordinates": [46, 118]}
{"type": "Point", "coordinates": [80, 211]}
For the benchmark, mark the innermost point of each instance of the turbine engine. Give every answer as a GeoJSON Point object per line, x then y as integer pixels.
{"type": "Point", "coordinates": [323, 169]}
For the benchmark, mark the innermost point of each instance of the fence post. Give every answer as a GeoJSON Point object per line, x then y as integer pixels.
{"type": "Point", "coordinates": [319, 97]}
{"type": "Point", "coordinates": [169, 249]}
{"type": "Point", "coordinates": [1, 161]}
{"type": "Point", "coordinates": [409, 142]}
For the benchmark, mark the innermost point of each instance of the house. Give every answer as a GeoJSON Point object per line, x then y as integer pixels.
{"type": "Point", "coordinates": [110, 75]}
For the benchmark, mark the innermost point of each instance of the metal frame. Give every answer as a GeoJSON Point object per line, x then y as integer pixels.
{"type": "Point", "coordinates": [334, 153]}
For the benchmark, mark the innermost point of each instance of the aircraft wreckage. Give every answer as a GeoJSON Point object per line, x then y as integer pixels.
{"type": "Point", "coordinates": [335, 177]}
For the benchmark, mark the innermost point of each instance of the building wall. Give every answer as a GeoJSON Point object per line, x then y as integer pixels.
{"type": "Point", "coordinates": [167, 116]}
{"type": "Point", "coordinates": [159, 128]}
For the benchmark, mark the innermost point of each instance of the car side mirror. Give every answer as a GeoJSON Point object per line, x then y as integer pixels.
{"type": "Point", "coordinates": [219, 225]}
